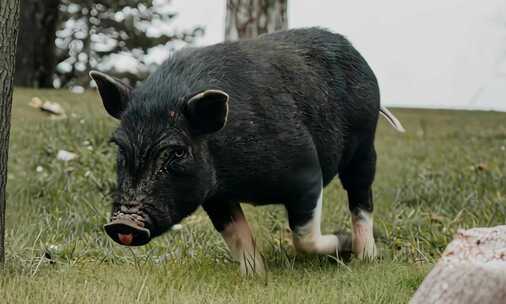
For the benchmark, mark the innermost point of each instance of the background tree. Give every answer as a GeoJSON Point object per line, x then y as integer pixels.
{"type": "Point", "coordinates": [250, 18]}
{"type": "Point", "coordinates": [61, 40]}
{"type": "Point", "coordinates": [92, 32]}
{"type": "Point", "coordinates": [36, 60]}
{"type": "Point", "coordinates": [9, 14]}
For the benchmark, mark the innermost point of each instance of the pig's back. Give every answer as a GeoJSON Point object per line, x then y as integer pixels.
{"type": "Point", "coordinates": [292, 94]}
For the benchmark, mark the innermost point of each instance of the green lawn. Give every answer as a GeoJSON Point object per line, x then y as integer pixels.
{"type": "Point", "coordinates": [448, 172]}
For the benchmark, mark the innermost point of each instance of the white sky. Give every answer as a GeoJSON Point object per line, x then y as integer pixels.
{"type": "Point", "coordinates": [431, 53]}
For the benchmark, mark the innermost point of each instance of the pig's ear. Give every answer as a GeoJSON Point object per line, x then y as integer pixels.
{"type": "Point", "coordinates": [113, 92]}
{"type": "Point", "coordinates": [207, 111]}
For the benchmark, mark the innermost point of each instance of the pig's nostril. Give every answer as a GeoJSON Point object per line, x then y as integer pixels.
{"type": "Point", "coordinates": [127, 232]}
{"type": "Point", "coordinates": [125, 239]}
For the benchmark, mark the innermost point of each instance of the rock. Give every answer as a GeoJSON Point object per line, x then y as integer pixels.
{"type": "Point", "coordinates": [53, 108]}
{"type": "Point", "coordinates": [177, 227]}
{"type": "Point", "coordinates": [65, 155]}
{"type": "Point", "coordinates": [472, 269]}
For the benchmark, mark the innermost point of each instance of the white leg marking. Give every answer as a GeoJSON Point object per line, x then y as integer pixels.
{"type": "Point", "coordinates": [242, 246]}
{"type": "Point", "coordinates": [363, 245]}
{"type": "Point", "coordinates": [308, 238]}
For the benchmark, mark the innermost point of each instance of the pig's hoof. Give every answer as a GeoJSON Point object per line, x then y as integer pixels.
{"type": "Point", "coordinates": [344, 245]}
{"type": "Point", "coordinates": [368, 251]}
{"type": "Point", "coordinates": [252, 265]}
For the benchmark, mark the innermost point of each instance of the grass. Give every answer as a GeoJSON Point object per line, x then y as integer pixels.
{"type": "Point", "coordinates": [448, 172]}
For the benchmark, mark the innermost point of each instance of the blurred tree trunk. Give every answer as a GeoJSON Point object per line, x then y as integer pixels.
{"type": "Point", "coordinates": [9, 15]}
{"type": "Point", "coordinates": [250, 18]}
{"type": "Point", "coordinates": [36, 57]}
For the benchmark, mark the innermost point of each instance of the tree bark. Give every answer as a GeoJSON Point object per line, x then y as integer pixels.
{"type": "Point", "coordinates": [472, 270]}
{"type": "Point", "coordinates": [9, 15]}
{"type": "Point", "coordinates": [36, 57]}
{"type": "Point", "coordinates": [250, 18]}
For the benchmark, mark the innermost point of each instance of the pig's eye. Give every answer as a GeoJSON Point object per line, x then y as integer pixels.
{"type": "Point", "coordinates": [174, 154]}
{"type": "Point", "coordinates": [171, 159]}
{"type": "Point", "coordinates": [179, 153]}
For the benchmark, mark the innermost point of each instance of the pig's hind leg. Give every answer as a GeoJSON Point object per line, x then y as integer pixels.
{"type": "Point", "coordinates": [357, 178]}
{"type": "Point", "coordinates": [304, 215]}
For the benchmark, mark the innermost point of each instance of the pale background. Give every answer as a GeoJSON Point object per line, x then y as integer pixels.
{"type": "Point", "coordinates": [431, 53]}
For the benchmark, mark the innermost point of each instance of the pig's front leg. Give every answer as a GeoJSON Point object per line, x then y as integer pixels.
{"type": "Point", "coordinates": [229, 220]}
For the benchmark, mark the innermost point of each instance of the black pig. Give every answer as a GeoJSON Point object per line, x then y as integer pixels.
{"type": "Point", "coordinates": [270, 120]}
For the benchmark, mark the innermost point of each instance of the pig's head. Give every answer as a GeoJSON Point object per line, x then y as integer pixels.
{"type": "Point", "coordinates": [164, 170]}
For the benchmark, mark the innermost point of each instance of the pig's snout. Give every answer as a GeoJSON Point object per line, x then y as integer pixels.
{"type": "Point", "coordinates": [128, 230]}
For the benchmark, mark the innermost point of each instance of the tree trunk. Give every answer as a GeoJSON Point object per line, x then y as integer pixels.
{"type": "Point", "coordinates": [472, 270]}
{"type": "Point", "coordinates": [9, 15]}
{"type": "Point", "coordinates": [250, 18]}
{"type": "Point", "coordinates": [36, 57]}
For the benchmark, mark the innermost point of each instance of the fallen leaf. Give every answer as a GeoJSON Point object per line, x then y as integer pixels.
{"type": "Point", "coordinates": [36, 103]}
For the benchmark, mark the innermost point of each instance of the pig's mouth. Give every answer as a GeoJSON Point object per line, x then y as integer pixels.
{"type": "Point", "coordinates": [128, 230]}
